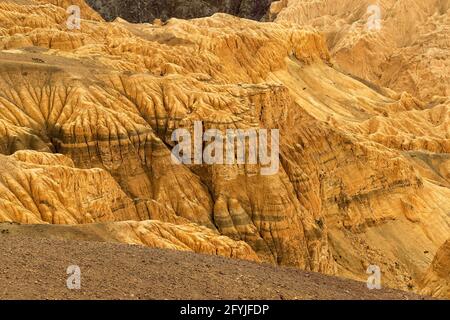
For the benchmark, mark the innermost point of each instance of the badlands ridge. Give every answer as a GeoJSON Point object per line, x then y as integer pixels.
{"type": "Point", "coordinates": [86, 118]}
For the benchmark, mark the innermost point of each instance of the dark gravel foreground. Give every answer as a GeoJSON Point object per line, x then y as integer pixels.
{"type": "Point", "coordinates": [35, 268]}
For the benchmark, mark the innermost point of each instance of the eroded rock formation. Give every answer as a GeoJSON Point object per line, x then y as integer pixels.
{"type": "Point", "coordinates": [400, 44]}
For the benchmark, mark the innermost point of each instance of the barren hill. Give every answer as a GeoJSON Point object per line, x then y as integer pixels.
{"type": "Point", "coordinates": [86, 119]}
{"type": "Point", "coordinates": [408, 48]}
{"type": "Point", "coordinates": [33, 265]}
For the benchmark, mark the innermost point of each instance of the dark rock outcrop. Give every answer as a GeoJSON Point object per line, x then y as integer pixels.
{"type": "Point", "coordinates": [148, 10]}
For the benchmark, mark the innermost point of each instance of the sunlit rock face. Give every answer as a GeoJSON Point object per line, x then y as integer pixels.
{"type": "Point", "coordinates": [148, 10]}
{"type": "Point", "coordinates": [87, 117]}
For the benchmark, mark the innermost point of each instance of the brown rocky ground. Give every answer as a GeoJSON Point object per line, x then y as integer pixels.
{"type": "Point", "coordinates": [33, 266]}
{"type": "Point", "coordinates": [86, 118]}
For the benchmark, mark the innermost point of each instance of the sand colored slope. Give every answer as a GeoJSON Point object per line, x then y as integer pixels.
{"type": "Point", "coordinates": [437, 279]}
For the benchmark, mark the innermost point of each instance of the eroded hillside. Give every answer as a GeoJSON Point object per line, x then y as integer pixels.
{"type": "Point", "coordinates": [437, 279]}
{"type": "Point", "coordinates": [86, 119]}
{"type": "Point", "coordinates": [400, 44]}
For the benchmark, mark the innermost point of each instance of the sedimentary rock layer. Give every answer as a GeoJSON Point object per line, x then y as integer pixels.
{"type": "Point", "coordinates": [400, 44]}
{"type": "Point", "coordinates": [148, 10]}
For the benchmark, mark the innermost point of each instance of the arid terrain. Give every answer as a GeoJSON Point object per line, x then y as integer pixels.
{"type": "Point", "coordinates": [35, 259]}
{"type": "Point", "coordinates": [362, 106]}
{"type": "Point", "coordinates": [141, 11]}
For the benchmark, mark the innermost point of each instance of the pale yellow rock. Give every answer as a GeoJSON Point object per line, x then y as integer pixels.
{"type": "Point", "coordinates": [436, 281]}
{"type": "Point", "coordinates": [40, 187]}
{"type": "Point", "coordinates": [185, 237]}
{"type": "Point", "coordinates": [408, 52]}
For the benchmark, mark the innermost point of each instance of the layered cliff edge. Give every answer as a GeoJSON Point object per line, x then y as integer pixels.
{"type": "Point", "coordinates": [86, 118]}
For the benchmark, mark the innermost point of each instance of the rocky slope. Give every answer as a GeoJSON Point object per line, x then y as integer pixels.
{"type": "Point", "coordinates": [117, 271]}
{"type": "Point", "coordinates": [436, 281]}
{"type": "Point", "coordinates": [86, 119]}
{"type": "Point", "coordinates": [407, 50]}
{"type": "Point", "coordinates": [139, 11]}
